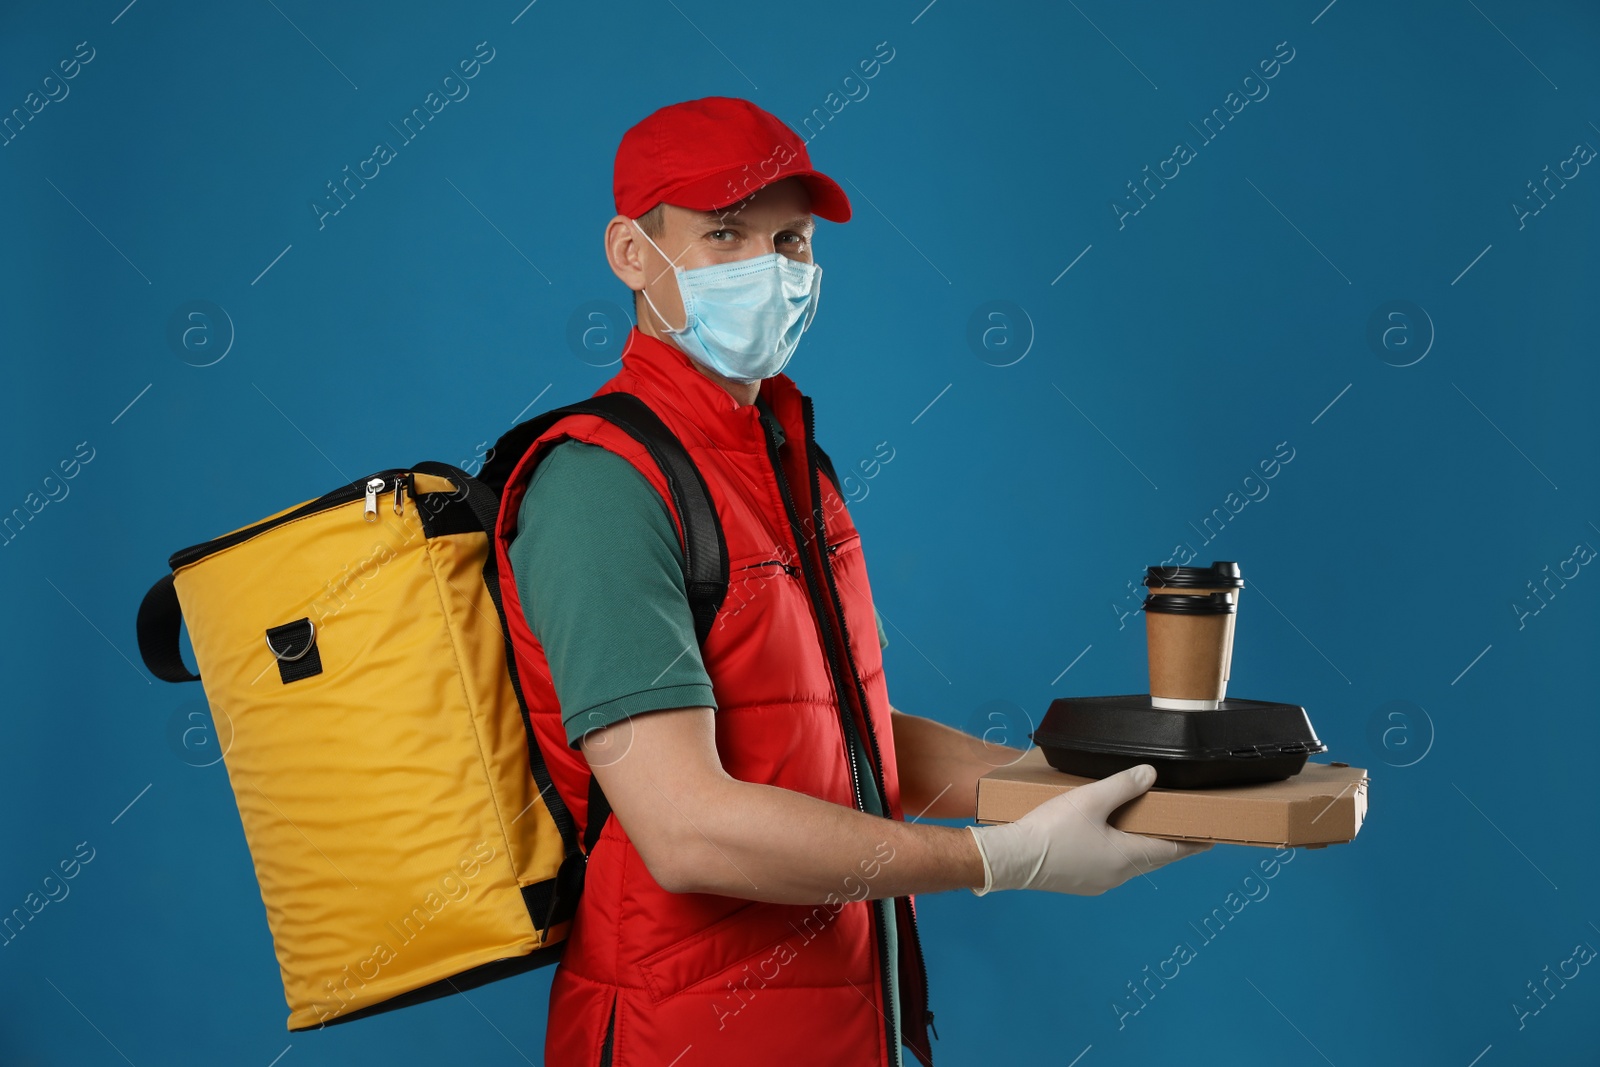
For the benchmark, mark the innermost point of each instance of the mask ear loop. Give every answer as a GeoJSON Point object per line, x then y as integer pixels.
{"type": "Point", "coordinates": [674, 267]}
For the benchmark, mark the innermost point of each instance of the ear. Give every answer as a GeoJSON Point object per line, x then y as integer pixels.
{"type": "Point", "coordinates": [625, 252]}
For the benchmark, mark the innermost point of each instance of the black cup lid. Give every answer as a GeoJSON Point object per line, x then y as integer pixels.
{"type": "Point", "coordinates": [1221, 572]}
{"type": "Point", "coordinates": [1190, 604]}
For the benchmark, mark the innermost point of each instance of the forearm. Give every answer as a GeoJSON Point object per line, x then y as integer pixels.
{"type": "Point", "coordinates": [940, 767]}
{"type": "Point", "coordinates": [730, 847]}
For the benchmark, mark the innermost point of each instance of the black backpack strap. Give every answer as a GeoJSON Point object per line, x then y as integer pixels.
{"type": "Point", "coordinates": [705, 559]}
{"type": "Point", "coordinates": [599, 812]}
{"type": "Point", "coordinates": [159, 620]}
{"type": "Point", "coordinates": [827, 467]}
{"type": "Point", "coordinates": [705, 550]}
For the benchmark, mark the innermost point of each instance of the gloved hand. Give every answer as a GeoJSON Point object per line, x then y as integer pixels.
{"type": "Point", "coordinates": [1065, 846]}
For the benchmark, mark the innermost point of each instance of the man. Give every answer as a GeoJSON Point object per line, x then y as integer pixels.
{"type": "Point", "coordinates": [751, 900]}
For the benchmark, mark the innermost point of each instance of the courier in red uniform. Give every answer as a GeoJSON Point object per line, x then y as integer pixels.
{"type": "Point", "coordinates": [751, 898]}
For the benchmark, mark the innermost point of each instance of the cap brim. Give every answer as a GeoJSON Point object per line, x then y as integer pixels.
{"type": "Point", "coordinates": [828, 200]}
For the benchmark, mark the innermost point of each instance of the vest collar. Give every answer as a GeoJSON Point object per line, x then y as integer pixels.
{"type": "Point", "coordinates": [662, 372]}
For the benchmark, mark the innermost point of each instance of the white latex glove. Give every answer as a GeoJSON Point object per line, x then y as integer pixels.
{"type": "Point", "coordinates": [1065, 846]}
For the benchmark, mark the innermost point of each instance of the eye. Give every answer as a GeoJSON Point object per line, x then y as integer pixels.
{"type": "Point", "coordinates": [791, 239]}
{"type": "Point", "coordinates": [722, 236]}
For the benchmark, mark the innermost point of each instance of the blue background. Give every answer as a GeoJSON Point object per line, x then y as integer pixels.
{"type": "Point", "coordinates": [1041, 458]}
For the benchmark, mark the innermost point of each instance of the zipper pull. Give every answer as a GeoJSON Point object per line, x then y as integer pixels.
{"type": "Point", "coordinates": [932, 1027]}
{"type": "Point", "coordinates": [399, 490]}
{"type": "Point", "coordinates": [374, 487]}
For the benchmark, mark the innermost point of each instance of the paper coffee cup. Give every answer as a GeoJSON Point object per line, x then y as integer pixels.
{"type": "Point", "coordinates": [1221, 577]}
{"type": "Point", "coordinates": [1187, 638]}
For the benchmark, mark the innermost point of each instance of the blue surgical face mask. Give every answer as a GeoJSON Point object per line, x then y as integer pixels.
{"type": "Point", "coordinates": [743, 319]}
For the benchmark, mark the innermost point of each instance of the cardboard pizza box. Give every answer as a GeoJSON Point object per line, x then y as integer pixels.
{"type": "Point", "coordinates": [1322, 805]}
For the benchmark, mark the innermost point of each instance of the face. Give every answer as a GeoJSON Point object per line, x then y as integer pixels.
{"type": "Point", "coordinates": [776, 218]}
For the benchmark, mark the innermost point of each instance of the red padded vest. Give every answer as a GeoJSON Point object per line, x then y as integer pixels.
{"type": "Point", "coordinates": [701, 978]}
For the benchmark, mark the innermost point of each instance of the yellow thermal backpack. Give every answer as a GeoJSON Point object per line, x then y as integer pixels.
{"type": "Point", "coordinates": [405, 833]}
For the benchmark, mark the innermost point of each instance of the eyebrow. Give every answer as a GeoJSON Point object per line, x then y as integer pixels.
{"type": "Point", "coordinates": [804, 223]}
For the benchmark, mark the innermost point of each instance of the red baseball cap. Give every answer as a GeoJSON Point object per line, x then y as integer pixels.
{"type": "Point", "coordinates": [709, 153]}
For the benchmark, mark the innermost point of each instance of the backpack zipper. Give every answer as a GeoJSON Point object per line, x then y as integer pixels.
{"type": "Point", "coordinates": [367, 488]}
{"type": "Point", "coordinates": [374, 487]}
{"type": "Point", "coordinates": [846, 719]}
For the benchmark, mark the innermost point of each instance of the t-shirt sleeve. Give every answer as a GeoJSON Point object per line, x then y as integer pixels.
{"type": "Point", "coordinates": [600, 572]}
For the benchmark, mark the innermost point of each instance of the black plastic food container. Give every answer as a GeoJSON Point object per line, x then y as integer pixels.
{"type": "Point", "coordinates": [1240, 741]}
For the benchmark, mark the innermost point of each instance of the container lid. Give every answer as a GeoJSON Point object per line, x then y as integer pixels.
{"type": "Point", "coordinates": [1224, 573]}
{"type": "Point", "coordinates": [1131, 725]}
{"type": "Point", "coordinates": [1189, 604]}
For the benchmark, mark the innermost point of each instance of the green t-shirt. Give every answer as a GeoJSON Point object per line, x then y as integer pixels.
{"type": "Point", "coordinates": [600, 574]}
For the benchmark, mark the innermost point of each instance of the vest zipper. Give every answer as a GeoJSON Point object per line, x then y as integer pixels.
{"type": "Point", "coordinates": [812, 465]}
{"type": "Point", "coordinates": [846, 719]}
